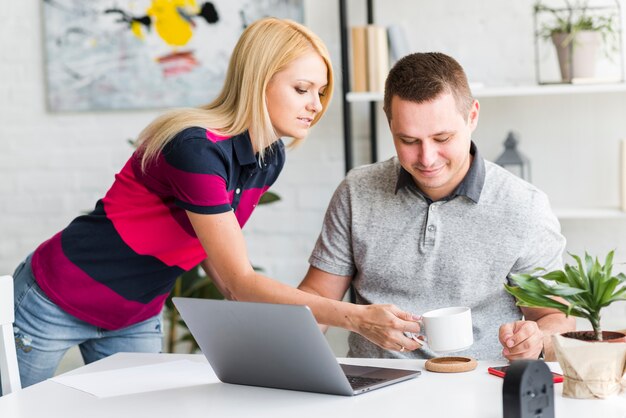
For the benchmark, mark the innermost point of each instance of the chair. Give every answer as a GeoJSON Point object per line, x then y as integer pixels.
{"type": "Point", "coordinates": [9, 373]}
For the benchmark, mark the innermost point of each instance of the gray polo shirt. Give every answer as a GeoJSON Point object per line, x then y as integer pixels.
{"type": "Point", "coordinates": [400, 247]}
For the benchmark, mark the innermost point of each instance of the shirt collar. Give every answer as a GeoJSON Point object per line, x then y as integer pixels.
{"type": "Point", "coordinates": [243, 149]}
{"type": "Point", "coordinates": [471, 186]}
{"type": "Point", "coordinates": [245, 154]}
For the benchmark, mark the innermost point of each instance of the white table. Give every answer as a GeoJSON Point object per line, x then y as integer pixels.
{"type": "Point", "coordinates": [473, 394]}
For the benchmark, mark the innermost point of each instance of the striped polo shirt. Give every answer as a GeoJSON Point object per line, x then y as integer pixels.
{"type": "Point", "coordinates": [115, 266]}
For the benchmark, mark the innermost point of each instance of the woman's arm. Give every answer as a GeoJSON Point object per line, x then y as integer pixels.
{"type": "Point", "coordinates": [227, 262]}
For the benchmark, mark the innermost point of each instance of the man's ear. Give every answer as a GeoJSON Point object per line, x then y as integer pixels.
{"type": "Point", "coordinates": [472, 117]}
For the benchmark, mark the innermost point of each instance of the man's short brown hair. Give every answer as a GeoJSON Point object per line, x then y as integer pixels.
{"type": "Point", "coordinates": [422, 77]}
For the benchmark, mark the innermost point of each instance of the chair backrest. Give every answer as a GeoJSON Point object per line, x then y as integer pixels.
{"type": "Point", "coordinates": [9, 373]}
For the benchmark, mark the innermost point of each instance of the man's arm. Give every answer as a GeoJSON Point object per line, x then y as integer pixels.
{"type": "Point", "coordinates": [321, 283]}
{"type": "Point", "coordinates": [526, 339]}
{"type": "Point", "coordinates": [544, 247]}
{"type": "Point", "coordinates": [324, 284]}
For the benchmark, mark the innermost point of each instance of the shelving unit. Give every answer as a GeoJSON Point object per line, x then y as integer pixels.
{"type": "Point", "coordinates": [345, 71]}
{"type": "Point", "coordinates": [591, 213]}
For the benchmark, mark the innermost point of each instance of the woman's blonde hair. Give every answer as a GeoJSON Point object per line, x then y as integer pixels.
{"type": "Point", "coordinates": [264, 48]}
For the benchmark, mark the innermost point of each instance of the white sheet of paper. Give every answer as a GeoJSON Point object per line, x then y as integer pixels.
{"type": "Point", "coordinates": [150, 378]}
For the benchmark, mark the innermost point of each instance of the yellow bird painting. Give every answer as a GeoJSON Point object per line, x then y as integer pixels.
{"type": "Point", "coordinates": [173, 21]}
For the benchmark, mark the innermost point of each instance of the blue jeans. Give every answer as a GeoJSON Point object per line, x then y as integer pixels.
{"type": "Point", "coordinates": [44, 332]}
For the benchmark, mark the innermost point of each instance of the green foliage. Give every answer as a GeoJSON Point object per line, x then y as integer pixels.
{"type": "Point", "coordinates": [586, 287]}
{"type": "Point", "coordinates": [191, 284]}
{"type": "Point", "coordinates": [195, 284]}
{"type": "Point", "coordinates": [575, 17]}
{"type": "Point", "coordinates": [268, 197]}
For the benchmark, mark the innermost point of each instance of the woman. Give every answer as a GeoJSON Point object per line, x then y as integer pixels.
{"type": "Point", "coordinates": [180, 201]}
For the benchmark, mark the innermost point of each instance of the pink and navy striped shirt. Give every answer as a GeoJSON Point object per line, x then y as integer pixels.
{"type": "Point", "coordinates": [115, 266]}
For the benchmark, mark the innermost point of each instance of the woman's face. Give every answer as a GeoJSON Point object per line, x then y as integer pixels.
{"type": "Point", "coordinates": [293, 95]}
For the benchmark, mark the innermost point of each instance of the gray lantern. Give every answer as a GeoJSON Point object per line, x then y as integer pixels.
{"type": "Point", "coordinates": [512, 160]}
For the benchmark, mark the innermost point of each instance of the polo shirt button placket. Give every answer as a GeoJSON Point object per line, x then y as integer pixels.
{"type": "Point", "coordinates": [236, 198]}
{"type": "Point", "coordinates": [429, 238]}
{"type": "Point", "coordinates": [431, 229]}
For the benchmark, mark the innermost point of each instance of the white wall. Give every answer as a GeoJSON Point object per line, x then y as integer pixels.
{"type": "Point", "coordinates": [53, 166]}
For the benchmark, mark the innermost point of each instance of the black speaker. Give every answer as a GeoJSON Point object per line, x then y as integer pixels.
{"type": "Point", "coordinates": [528, 390]}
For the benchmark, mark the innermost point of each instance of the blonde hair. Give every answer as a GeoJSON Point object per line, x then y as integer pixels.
{"type": "Point", "coordinates": [264, 48]}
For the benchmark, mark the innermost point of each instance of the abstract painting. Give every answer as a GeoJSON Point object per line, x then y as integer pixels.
{"type": "Point", "coordinates": [142, 54]}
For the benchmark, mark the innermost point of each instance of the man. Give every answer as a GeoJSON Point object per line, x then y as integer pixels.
{"type": "Point", "coordinates": [437, 225]}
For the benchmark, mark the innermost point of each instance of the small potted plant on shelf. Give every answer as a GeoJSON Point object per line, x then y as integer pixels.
{"type": "Point", "coordinates": [593, 362]}
{"type": "Point", "coordinates": [578, 32]}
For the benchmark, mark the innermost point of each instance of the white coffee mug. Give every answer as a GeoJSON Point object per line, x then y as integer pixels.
{"type": "Point", "coordinates": [448, 329]}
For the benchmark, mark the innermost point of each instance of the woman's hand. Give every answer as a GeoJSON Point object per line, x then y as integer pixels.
{"type": "Point", "coordinates": [384, 325]}
{"type": "Point", "coordinates": [387, 326]}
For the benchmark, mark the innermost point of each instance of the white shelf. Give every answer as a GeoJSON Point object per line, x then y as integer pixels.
{"type": "Point", "coordinates": [514, 91]}
{"type": "Point", "coordinates": [550, 89]}
{"type": "Point", "coordinates": [591, 213]}
{"type": "Point", "coordinates": [369, 96]}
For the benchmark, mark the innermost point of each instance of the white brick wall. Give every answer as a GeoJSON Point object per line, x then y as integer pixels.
{"type": "Point", "coordinates": [53, 166]}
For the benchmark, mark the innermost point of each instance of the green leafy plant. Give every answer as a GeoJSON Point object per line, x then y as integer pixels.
{"type": "Point", "coordinates": [585, 288]}
{"type": "Point", "coordinates": [195, 284]}
{"type": "Point", "coordinates": [575, 17]}
{"type": "Point", "coordinates": [191, 284]}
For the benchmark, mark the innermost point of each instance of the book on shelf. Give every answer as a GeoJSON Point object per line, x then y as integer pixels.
{"type": "Point", "coordinates": [359, 58]}
{"type": "Point", "coordinates": [398, 43]}
{"type": "Point", "coordinates": [370, 58]}
{"type": "Point", "coordinates": [377, 57]}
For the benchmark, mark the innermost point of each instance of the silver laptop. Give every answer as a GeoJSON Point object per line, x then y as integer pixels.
{"type": "Point", "coordinates": [275, 346]}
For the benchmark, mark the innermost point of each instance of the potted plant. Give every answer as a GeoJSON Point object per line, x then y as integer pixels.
{"type": "Point", "coordinates": [593, 362]}
{"type": "Point", "coordinates": [578, 32]}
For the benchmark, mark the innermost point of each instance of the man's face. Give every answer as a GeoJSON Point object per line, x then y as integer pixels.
{"type": "Point", "coordinates": [432, 140]}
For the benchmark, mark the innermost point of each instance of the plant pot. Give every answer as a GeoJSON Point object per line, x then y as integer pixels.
{"type": "Point", "coordinates": [591, 369]}
{"type": "Point", "coordinates": [607, 336]}
{"type": "Point", "coordinates": [577, 53]}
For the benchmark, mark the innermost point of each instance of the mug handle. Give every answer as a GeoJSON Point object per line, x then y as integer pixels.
{"type": "Point", "coordinates": [414, 336]}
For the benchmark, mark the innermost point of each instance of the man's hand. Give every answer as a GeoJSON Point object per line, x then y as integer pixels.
{"type": "Point", "coordinates": [521, 340]}
{"type": "Point", "coordinates": [386, 325]}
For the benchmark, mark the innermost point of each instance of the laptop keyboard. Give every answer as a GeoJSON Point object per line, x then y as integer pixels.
{"type": "Point", "coordinates": [358, 382]}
